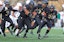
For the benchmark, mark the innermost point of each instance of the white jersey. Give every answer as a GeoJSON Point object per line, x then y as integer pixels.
{"type": "Point", "coordinates": [1, 7]}
{"type": "Point", "coordinates": [14, 19]}
{"type": "Point", "coordinates": [16, 14]}
{"type": "Point", "coordinates": [62, 15]}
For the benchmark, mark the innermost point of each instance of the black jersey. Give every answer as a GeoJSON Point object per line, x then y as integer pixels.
{"type": "Point", "coordinates": [52, 15]}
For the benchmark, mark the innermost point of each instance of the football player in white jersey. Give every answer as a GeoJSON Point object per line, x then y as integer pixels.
{"type": "Point", "coordinates": [15, 14]}
{"type": "Point", "coordinates": [62, 17]}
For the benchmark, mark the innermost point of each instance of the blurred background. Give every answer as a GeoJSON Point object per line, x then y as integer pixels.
{"type": "Point", "coordinates": [57, 3]}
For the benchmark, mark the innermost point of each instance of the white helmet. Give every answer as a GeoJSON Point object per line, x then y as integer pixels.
{"type": "Point", "coordinates": [17, 6]}
{"type": "Point", "coordinates": [28, 1]}
{"type": "Point", "coordinates": [62, 5]}
{"type": "Point", "coordinates": [1, 3]}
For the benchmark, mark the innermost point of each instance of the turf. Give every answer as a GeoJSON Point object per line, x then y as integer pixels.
{"type": "Point", "coordinates": [55, 35]}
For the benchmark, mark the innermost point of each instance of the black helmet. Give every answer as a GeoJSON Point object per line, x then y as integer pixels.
{"type": "Point", "coordinates": [28, 7]}
{"type": "Point", "coordinates": [6, 2]}
{"type": "Point", "coordinates": [31, 3]}
{"type": "Point", "coordinates": [44, 2]}
{"type": "Point", "coordinates": [52, 7]}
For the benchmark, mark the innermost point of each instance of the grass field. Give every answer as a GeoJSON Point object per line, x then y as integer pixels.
{"type": "Point", "coordinates": [55, 35]}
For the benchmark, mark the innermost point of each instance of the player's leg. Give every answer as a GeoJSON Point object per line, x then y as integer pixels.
{"type": "Point", "coordinates": [26, 33]}
{"type": "Point", "coordinates": [3, 27]}
{"type": "Point", "coordinates": [31, 32]}
{"type": "Point", "coordinates": [20, 25]}
{"type": "Point", "coordinates": [28, 24]}
{"type": "Point", "coordinates": [63, 27]}
{"type": "Point", "coordinates": [9, 20]}
{"type": "Point", "coordinates": [47, 31]}
{"type": "Point", "coordinates": [10, 30]}
{"type": "Point", "coordinates": [62, 22]}
{"type": "Point", "coordinates": [0, 27]}
{"type": "Point", "coordinates": [39, 29]}
{"type": "Point", "coordinates": [49, 25]}
{"type": "Point", "coordinates": [23, 28]}
{"type": "Point", "coordinates": [11, 24]}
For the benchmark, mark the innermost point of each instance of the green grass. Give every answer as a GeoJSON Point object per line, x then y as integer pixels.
{"type": "Point", "coordinates": [55, 35]}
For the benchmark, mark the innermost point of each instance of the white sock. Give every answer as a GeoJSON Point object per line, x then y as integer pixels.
{"type": "Point", "coordinates": [16, 32]}
{"type": "Point", "coordinates": [1, 31]}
